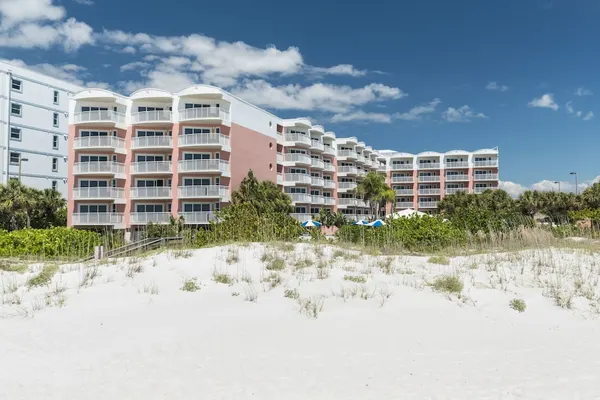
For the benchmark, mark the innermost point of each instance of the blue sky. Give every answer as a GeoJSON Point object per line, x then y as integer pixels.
{"type": "Point", "coordinates": [408, 75]}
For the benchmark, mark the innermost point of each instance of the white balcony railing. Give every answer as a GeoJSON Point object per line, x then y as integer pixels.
{"type": "Point", "coordinates": [429, 165]}
{"type": "Point", "coordinates": [400, 179]}
{"type": "Point", "coordinates": [297, 138]}
{"type": "Point", "coordinates": [429, 192]}
{"type": "Point", "coordinates": [152, 116]}
{"type": "Point", "coordinates": [317, 181]}
{"type": "Point", "coordinates": [152, 142]}
{"type": "Point", "coordinates": [454, 178]}
{"type": "Point", "coordinates": [300, 197]}
{"type": "Point", "coordinates": [317, 146]}
{"type": "Point", "coordinates": [151, 167]}
{"type": "Point", "coordinates": [485, 177]}
{"type": "Point", "coordinates": [316, 163]}
{"type": "Point", "coordinates": [301, 217]}
{"type": "Point", "coordinates": [329, 150]}
{"type": "Point", "coordinates": [455, 190]}
{"type": "Point", "coordinates": [381, 168]}
{"type": "Point", "coordinates": [297, 158]}
{"type": "Point", "coordinates": [204, 191]}
{"type": "Point", "coordinates": [361, 203]}
{"type": "Point", "coordinates": [143, 218]}
{"type": "Point", "coordinates": [97, 218]}
{"type": "Point", "coordinates": [103, 142]}
{"type": "Point", "coordinates": [212, 165]}
{"type": "Point", "coordinates": [347, 202]}
{"type": "Point", "coordinates": [485, 163]}
{"type": "Point", "coordinates": [404, 192]}
{"type": "Point", "coordinates": [97, 193]}
{"type": "Point", "coordinates": [153, 192]}
{"type": "Point", "coordinates": [457, 164]}
{"type": "Point", "coordinates": [428, 204]}
{"type": "Point", "coordinates": [328, 201]}
{"type": "Point", "coordinates": [347, 170]}
{"type": "Point", "coordinates": [483, 189]}
{"type": "Point", "coordinates": [203, 113]}
{"type": "Point", "coordinates": [347, 154]}
{"type": "Point", "coordinates": [328, 167]}
{"type": "Point", "coordinates": [405, 204]}
{"type": "Point", "coordinates": [298, 178]}
{"type": "Point", "coordinates": [204, 139]}
{"type": "Point", "coordinates": [280, 179]}
{"type": "Point", "coordinates": [328, 184]}
{"type": "Point", "coordinates": [98, 167]}
{"type": "Point", "coordinates": [346, 185]}
{"type": "Point", "coordinates": [402, 167]}
{"type": "Point", "coordinates": [99, 116]}
{"type": "Point", "coordinates": [433, 178]}
{"type": "Point", "coordinates": [198, 217]}
{"type": "Point", "coordinates": [317, 200]}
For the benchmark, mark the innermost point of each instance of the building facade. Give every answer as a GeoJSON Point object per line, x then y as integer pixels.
{"type": "Point", "coordinates": [156, 155]}
{"type": "Point", "coordinates": [33, 130]}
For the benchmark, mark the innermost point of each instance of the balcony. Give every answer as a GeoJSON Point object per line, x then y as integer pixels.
{"type": "Point", "coordinates": [455, 178]}
{"type": "Point", "coordinates": [153, 192]}
{"type": "Point", "coordinates": [456, 190]}
{"type": "Point", "coordinates": [101, 117]}
{"type": "Point", "coordinates": [152, 142]}
{"type": "Point", "coordinates": [98, 168]}
{"type": "Point", "coordinates": [360, 160]}
{"type": "Point", "coordinates": [296, 139]}
{"type": "Point", "coordinates": [347, 202]}
{"type": "Point", "coordinates": [301, 217]}
{"type": "Point", "coordinates": [156, 116]}
{"type": "Point", "coordinates": [317, 146]}
{"type": "Point", "coordinates": [483, 189]}
{"type": "Point", "coordinates": [297, 158]}
{"type": "Point", "coordinates": [280, 179]}
{"type": "Point", "coordinates": [362, 172]}
{"type": "Point", "coordinates": [346, 170]}
{"type": "Point", "coordinates": [485, 163]}
{"type": "Point", "coordinates": [485, 177]}
{"type": "Point", "coordinates": [346, 186]}
{"type": "Point", "coordinates": [328, 167]}
{"type": "Point", "coordinates": [97, 219]}
{"type": "Point", "coordinates": [204, 166]}
{"type": "Point", "coordinates": [433, 178]}
{"type": "Point", "coordinates": [197, 218]}
{"type": "Point", "coordinates": [151, 167]}
{"type": "Point", "coordinates": [144, 218]}
{"type": "Point", "coordinates": [457, 164]}
{"type": "Point", "coordinates": [429, 165]}
{"type": "Point", "coordinates": [317, 200]}
{"type": "Point", "coordinates": [330, 151]}
{"type": "Point", "coordinates": [317, 181]}
{"type": "Point", "coordinates": [347, 155]}
{"type": "Point", "coordinates": [329, 201]}
{"type": "Point", "coordinates": [108, 143]}
{"type": "Point", "coordinates": [300, 198]}
{"type": "Point", "coordinates": [435, 192]}
{"type": "Point", "coordinates": [99, 193]}
{"type": "Point", "coordinates": [297, 178]}
{"type": "Point", "coordinates": [205, 114]}
{"type": "Point", "coordinates": [328, 184]}
{"type": "Point", "coordinates": [204, 192]}
{"type": "Point", "coordinates": [428, 204]}
{"type": "Point", "coordinates": [382, 168]}
{"type": "Point", "coordinates": [405, 204]}
{"type": "Point", "coordinates": [401, 179]}
{"type": "Point", "coordinates": [361, 203]}
{"type": "Point", "coordinates": [404, 192]}
{"type": "Point", "coordinates": [402, 167]}
{"type": "Point", "coordinates": [206, 140]}
{"type": "Point", "coordinates": [317, 164]}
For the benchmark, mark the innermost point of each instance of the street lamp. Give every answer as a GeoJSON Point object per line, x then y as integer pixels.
{"type": "Point", "coordinates": [558, 183]}
{"type": "Point", "coordinates": [576, 184]}
{"type": "Point", "coordinates": [21, 159]}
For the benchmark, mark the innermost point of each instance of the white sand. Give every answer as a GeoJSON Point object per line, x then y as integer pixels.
{"type": "Point", "coordinates": [111, 340]}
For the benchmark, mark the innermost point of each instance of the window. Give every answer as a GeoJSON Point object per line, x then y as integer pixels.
{"type": "Point", "coordinates": [55, 120]}
{"type": "Point", "coordinates": [194, 131]}
{"type": "Point", "coordinates": [93, 133]}
{"type": "Point", "coordinates": [93, 208]}
{"type": "Point", "coordinates": [85, 108]}
{"type": "Point", "coordinates": [54, 185]}
{"type": "Point", "coordinates": [15, 133]}
{"type": "Point", "coordinates": [92, 158]}
{"type": "Point", "coordinates": [54, 164]}
{"type": "Point", "coordinates": [148, 208]}
{"type": "Point", "coordinates": [196, 207]}
{"type": "Point", "coordinates": [17, 85]}
{"type": "Point", "coordinates": [14, 158]}
{"type": "Point", "coordinates": [55, 142]}
{"type": "Point", "coordinates": [16, 109]}
{"type": "Point", "coordinates": [55, 97]}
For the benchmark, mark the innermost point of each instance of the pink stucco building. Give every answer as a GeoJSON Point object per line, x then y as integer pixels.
{"type": "Point", "coordinates": [154, 154]}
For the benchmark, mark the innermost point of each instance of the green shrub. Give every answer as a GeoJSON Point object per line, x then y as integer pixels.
{"type": "Point", "coordinates": [223, 278]}
{"type": "Point", "coordinates": [190, 285]}
{"type": "Point", "coordinates": [448, 284]}
{"type": "Point", "coordinates": [276, 264]}
{"type": "Point", "coordinates": [291, 294]}
{"type": "Point", "coordinates": [356, 279]}
{"type": "Point", "coordinates": [12, 267]}
{"type": "Point", "coordinates": [518, 305]}
{"type": "Point", "coordinates": [53, 242]}
{"type": "Point", "coordinates": [439, 260]}
{"type": "Point", "coordinates": [44, 277]}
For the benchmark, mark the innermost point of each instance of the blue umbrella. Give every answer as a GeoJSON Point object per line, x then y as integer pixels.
{"type": "Point", "coordinates": [376, 223]}
{"type": "Point", "coordinates": [311, 224]}
{"type": "Point", "coordinates": [361, 223]}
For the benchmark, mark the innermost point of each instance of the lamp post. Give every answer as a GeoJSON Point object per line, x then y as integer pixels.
{"type": "Point", "coordinates": [558, 183]}
{"type": "Point", "coordinates": [576, 183]}
{"type": "Point", "coordinates": [21, 160]}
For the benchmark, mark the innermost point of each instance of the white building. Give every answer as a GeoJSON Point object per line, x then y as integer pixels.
{"type": "Point", "coordinates": [34, 116]}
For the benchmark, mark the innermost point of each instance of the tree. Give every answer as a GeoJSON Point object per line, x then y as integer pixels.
{"type": "Point", "coordinates": [264, 196]}
{"type": "Point", "coordinates": [329, 219]}
{"type": "Point", "coordinates": [591, 196]}
{"type": "Point", "coordinates": [374, 190]}
{"type": "Point", "coordinates": [25, 207]}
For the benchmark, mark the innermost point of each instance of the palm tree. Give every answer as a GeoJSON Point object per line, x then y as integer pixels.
{"type": "Point", "coordinates": [16, 204]}
{"type": "Point", "coordinates": [264, 196]}
{"type": "Point", "coordinates": [49, 204]}
{"type": "Point", "coordinates": [374, 190]}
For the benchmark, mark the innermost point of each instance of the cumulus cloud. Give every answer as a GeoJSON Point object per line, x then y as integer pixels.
{"type": "Point", "coordinates": [496, 86]}
{"type": "Point", "coordinates": [546, 101]}
{"type": "Point", "coordinates": [342, 69]}
{"type": "Point", "coordinates": [588, 116]}
{"type": "Point", "coordinates": [578, 113]}
{"type": "Point", "coordinates": [461, 114]}
{"type": "Point", "coordinates": [583, 92]}
{"type": "Point", "coordinates": [515, 189]}
{"type": "Point", "coordinates": [362, 116]}
{"type": "Point", "coordinates": [417, 113]}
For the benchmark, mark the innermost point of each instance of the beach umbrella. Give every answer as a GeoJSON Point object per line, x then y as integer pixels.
{"type": "Point", "coordinates": [361, 223]}
{"type": "Point", "coordinates": [376, 223]}
{"type": "Point", "coordinates": [311, 224]}
{"type": "Point", "coordinates": [409, 212]}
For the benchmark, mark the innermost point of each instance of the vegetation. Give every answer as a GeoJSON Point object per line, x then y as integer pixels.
{"type": "Point", "coordinates": [54, 242]}
{"type": "Point", "coordinates": [44, 277]}
{"type": "Point", "coordinates": [439, 260]}
{"type": "Point", "coordinates": [329, 219]}
{"type": "Point", "coordinates": [190, 285]}
{"type": "Point", "coordinates": [24, 207]}
{"type": "Point", "coordinates": [448, 284]}
{"type": "Point", "coordinates": [276, 264]}
{"type": "Point", "coordinates": [263, 196]}
{"type": "Point", "coordinates": [223, 278]}
{"type": "Point", "coordinates": [291, 294]}
{"type": "Point", "coordinates": [355, 279]}
{"type": "Point", "coordinates": [518, 305]}
{"type": "Point", "coordinates": [376, 192]}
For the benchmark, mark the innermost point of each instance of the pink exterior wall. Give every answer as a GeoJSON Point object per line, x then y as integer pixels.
{"type": "Point", "coordinates": [252, 150]}
{"type": "Point", "coordinates": [174, 168]}
{"type": "Point", "coordinates": [129, 158]}
{"type": "Point", "coordinates": [70, 176]}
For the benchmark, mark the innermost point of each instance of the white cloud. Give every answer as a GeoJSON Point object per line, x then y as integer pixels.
{"type": "Point", "coordinates": [588, 116]}
{"type": "Point", "coordinates": [129, 50]}
{"type": "Point", "coordinates": [14, 12]}
{"type": "Point", "coordinates": [136, 65]}
{"type": "Point", "coordinates": [496, 86]}
{"type": "Point", "coordinates": [362, 116]}
{"type": "Point", "coordinates": [84, 2]}
{"type": "Point", "coordinates": [512, 188]}
{"type": "Point", "coordinates": [342, 69]}
{"type": "Point", "coordinates": [317, 97]}
{"type": "Point", "coordinates": [515, 189]}
{"type": "Point", "coordinates": [461, 114]}
{"type": "Point", "coordinates": [416, 113]}
{"type": "Point", "coordinates": [578, 113]}
{"type": "Point", "coordinates": [546, 101]}
{"type": "Point", "coordinates": [569, 107]}
{"type": "Point", "coordinates": [583, 92]}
